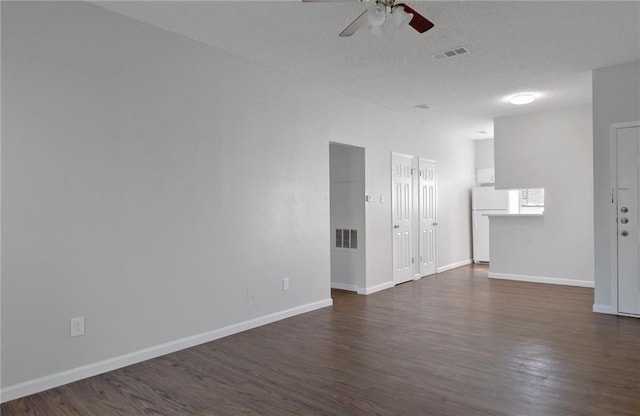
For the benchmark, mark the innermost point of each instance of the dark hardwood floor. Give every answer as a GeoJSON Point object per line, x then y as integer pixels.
{"type": "Point", "coordinates": [452, 344]}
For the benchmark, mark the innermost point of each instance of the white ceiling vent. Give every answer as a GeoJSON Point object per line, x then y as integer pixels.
{"type": "Point", "coordinates": [451, 53]}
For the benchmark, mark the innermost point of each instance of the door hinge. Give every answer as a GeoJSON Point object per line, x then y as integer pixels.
{"type": "Point", "coordinates": [413, 260]}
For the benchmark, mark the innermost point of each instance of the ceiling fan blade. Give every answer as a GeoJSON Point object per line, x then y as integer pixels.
{"type": "Point", "coordinates": [418, 22]}
{"type": "Point", "coordinates": [355, 25]}
{"type": "Point", "coordinates": [332, 1]}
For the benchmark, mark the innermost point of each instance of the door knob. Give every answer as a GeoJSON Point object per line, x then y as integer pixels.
{"type": "Point", "coordinates": [435, 223]}
{"type": "Point", "coordinates": [624, 220]}
{"type": "Point", "coordinates": [624, 210]}
{"type": "Point", "coordinates": [396, 226]}
{"type": "Point", "coordinates": [624, 233]}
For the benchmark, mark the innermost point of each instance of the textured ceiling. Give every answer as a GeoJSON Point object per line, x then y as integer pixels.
{"type": "Point", "coordinates": [546, 47]}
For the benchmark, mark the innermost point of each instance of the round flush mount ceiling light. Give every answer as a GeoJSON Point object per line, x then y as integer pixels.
{"type": "Point", "coordinates": [521, 99]}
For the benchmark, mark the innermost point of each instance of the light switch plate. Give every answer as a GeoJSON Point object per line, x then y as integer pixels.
{"type": "Point", "coordinates": [77, 326]}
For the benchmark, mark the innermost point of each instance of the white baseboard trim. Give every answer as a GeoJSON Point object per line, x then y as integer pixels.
{"type": "Point", "coordinates": [64, 377]}
{"type": "Point", "coordinates": [344, 286]}
{"type": "Point", "coordinates": [612, 310]}
{"type": "Point", "coordinates": [608, 309]}
{"type": "Point", "coordinates": [541, 279]}
{"type": "Point", "coordinates": [376, 288]}
{"type": "Point", "coordinates": [453, 265]}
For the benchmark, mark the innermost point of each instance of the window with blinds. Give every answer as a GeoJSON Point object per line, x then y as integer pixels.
{"type": "Point", "coordinates": [532, 197]}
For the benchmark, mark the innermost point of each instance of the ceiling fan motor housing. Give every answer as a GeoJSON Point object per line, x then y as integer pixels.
{"type": "Point", "coordinates": [388, 5]}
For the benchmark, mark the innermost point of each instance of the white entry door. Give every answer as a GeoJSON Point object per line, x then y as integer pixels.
{"type": "Point", "coordinates": [401, 210]}
{"type": "Point", "coordinates": [427, 208]}
{"type": "Point", "coordinates": [628, 219]}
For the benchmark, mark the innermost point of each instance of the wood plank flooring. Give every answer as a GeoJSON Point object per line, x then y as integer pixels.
{"type": "Point", "coordinates": [452, 344]}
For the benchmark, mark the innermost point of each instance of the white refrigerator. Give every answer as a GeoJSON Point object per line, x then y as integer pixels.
{"type": "Point", "coordinates": [486, 200]}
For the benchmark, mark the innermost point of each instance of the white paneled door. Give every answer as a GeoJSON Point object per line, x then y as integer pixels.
{"type": "Point", "coordinates": [628, 220]}
{"type": "Point", "coordinates": [401, 209]}
{"type": "Point", "coordinates": [427, 208]}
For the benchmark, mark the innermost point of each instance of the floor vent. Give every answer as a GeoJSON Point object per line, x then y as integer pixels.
{"type": "Point", "coordinates": [451, 53]}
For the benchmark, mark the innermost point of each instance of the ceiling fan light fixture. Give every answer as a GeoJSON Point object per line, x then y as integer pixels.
{"type": "Point", "coordinates": [401, 17]}
{"type": "Point", "coordinates": [376, 16]}
{"type": "Point", "coordinates": [377, 30]}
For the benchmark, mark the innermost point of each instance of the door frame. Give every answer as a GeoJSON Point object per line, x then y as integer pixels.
{"type": "Point", "coordinates": [357, 256]}
{"type": "Point", "coordinates": [613, 210]}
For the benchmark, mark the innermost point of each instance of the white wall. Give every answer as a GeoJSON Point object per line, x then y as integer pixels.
{"type": "Point", "coordinates": [616, 99]}
{"type": "Point", "coordinates": [147, 180]}
{"type": "Point", "coordinates": [347, 175]}
{"type": "Point", "coordinates": [484, 153]}
{"type": "Point", "coordinates": [551, 150]}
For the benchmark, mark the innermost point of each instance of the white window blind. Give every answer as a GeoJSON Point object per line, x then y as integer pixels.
{"type": "Point", "coordinates": [532, 197]}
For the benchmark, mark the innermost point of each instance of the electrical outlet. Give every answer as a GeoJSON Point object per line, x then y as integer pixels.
{"type": "Point", "coordinates": [250, 294]}
{"type": "Point", "coordinates": [285, 283]}
{"type": "Point", "coordinates": [77, 326]}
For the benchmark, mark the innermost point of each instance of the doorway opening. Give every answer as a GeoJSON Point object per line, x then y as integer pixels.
{"type": "Point", "coordinates": [347, 216]}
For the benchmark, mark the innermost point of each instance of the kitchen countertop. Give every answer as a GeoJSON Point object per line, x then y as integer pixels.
{"type": "Point", "coordinates": [513, 215]}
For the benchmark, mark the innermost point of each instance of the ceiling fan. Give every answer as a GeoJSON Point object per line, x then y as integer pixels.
{"type": "Point", "coordinates": [376, 15]}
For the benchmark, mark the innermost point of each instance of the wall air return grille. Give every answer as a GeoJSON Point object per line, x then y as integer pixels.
{"type": "Point", "coordinates": [346, 238]}
{"type": "Point", "coordinates": [451, 53]}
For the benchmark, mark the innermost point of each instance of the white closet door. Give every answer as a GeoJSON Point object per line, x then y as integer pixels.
{"type": "Point", "coordinates": [401, 209]}
{"type": "Point", "coordinates": [428, 221]}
